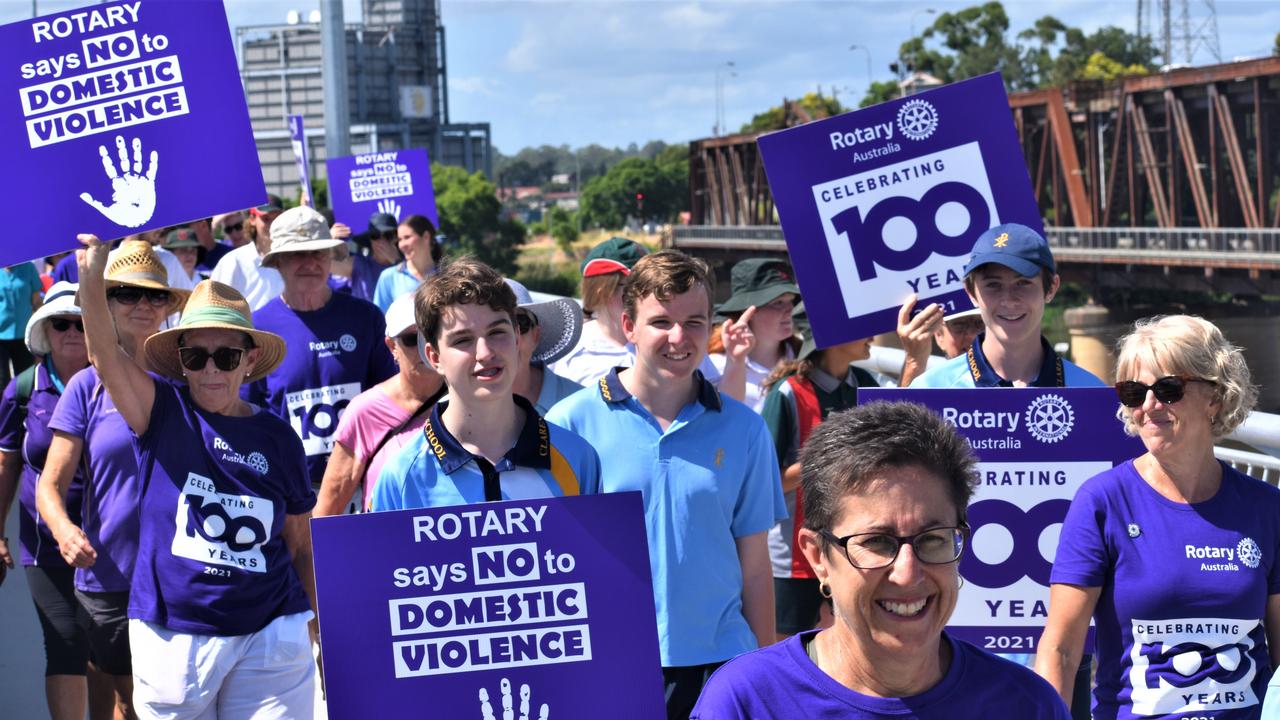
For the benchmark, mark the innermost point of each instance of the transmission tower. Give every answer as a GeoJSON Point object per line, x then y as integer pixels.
{"type": "Point", "coordinates": [1180, 28]}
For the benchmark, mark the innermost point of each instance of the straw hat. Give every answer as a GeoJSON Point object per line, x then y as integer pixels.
{"type": "Point", "coordinates": [214, 305]}
{"type": "Point", "coordinates": [59, 300]}
{"type": "Point", "coordinates": [135, 264]}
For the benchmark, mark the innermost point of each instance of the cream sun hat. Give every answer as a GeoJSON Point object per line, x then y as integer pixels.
{"type": "Point", "coordinates": [218, 306]}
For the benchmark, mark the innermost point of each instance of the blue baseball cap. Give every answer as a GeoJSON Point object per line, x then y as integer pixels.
{"type": "Point", "coordinates": [1015, 246]}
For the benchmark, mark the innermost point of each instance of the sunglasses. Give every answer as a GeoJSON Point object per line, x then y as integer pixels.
{"type": "Point", "coordinates": [63, 324]}
{"type": "Point", "coordinates": [409, 340]}
{"type": "Point", "coordinates": [233, 228]}
{"type": "Point", "coordinates": [966, 325]}
{"type": "Point", "coordinates": [389, 235]}
{"type": "Point", "coordinates": [525, 321]}
{"type": "Point", "coordinates": [132, 296]}
{"type": "Point", "coordinates": [225, 359]}
{"type": "Point", "coordinates": [1168, 390]}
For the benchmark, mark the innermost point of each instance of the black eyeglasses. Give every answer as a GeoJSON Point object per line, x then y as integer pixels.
{"type": "Point", "coordinates": [233, 228]}
{"type": "Point", "coordinates": [870, 551]}
{"type": "Point", "coordinates": [525, 321]}
{"type": "Point", "coordinates": [225, 359]}
{"type": "Point", "coordinates": [133, 295]}
{"type": "Point", "coordinates": [409, 339]}
{"type": "Point", "coordinates": [1168, 389]}
{"type": "Point", "coordinates": [63, 324]}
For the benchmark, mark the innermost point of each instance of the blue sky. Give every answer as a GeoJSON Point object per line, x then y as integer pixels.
{"type": "Point", "coordinates": [615, 72]}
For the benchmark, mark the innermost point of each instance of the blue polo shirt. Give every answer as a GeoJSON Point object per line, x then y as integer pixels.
{"type": "Point", "coordinates": [435, 470]}
{"type": "Point", "coordinates": [711, 477]}
{"type": "Point", "coordinates": [394, 282]}
{"type": "Point", "coordinates": [971, 369]}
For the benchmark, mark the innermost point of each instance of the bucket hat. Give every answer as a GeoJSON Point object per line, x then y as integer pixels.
{"type": "Point", "coordinates": [135, 264]}
{"type": "Point", "coordinates": [59, 300]}
{"type": "Point", "coordinates": [1014, 246]}
{"type": "Point", "coordinates": [617, 254]}
{"type": "Point", "coordinates": [758, 281]}
{"type": "Point", "coordinates": [214, 305]}
{"type": "Point", "coordinates": [299, 229]}
{"type": "Point", "coordinates": [560, 320]}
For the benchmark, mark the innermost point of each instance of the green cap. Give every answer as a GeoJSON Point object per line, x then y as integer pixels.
{"type": "Point", "coordinates": [758, 281]}
{"type": "Point", "coordinates": [617, 254]}
{"type": "Point", "coordinates": [180, 238]}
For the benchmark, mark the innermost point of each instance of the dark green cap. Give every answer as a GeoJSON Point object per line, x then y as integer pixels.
{"type": "Point", "coordinates": [617, 254]}
{"type": "Point", "coordinates": [180, 238]}
{"type": "Point", "coordinates": [758, 281]}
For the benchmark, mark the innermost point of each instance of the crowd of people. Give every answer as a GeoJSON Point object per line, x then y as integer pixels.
{"type": "Point", "coordinates": [178, 408]}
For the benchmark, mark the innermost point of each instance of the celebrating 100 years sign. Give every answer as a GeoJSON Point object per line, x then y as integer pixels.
{"type": "Point", "coordinates": [121, 117]}
{"type": "Point", "coordinates": [538, 607]}
{"type": "Point", "coordinates": [1035, 447]}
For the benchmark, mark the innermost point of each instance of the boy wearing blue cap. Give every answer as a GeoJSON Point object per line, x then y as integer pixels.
{"type": "Point", "coordinates": [1010, 277]}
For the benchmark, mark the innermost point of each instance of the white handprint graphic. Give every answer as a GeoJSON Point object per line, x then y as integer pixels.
{"type": "Point", "coordinates": [508, 711]}
{"type": "Point", "coordinates": [390, 207]}
{"type": "Point", "coordinates": [133, 194]}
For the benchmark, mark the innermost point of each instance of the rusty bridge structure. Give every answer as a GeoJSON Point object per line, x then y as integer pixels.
{"type": "Point", "coordinates": [1163, 180]}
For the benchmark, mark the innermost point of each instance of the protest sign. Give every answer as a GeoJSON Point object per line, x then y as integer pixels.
{"type": "Point", "coordinates": [535, 605]}
{"type": "Point", "coordinates": [1035, 447]}
{"type": "Point", "coordinates": [121, 117]}
{"type": "Point", "coordinates": [397, 183]}
{"type": "Point", "coordinates": [298, 139]}
{"type": "Point", "coordinates": [887, 201]}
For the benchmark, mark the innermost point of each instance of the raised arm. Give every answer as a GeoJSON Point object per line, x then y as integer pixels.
{"type": "Point", "coordinates": [916, 336]}
{"type": "Point", "coordinates": [132, 390]}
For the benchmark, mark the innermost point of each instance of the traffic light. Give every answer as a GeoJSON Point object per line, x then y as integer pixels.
{"type": "Point", "coordinates": [639, 204]}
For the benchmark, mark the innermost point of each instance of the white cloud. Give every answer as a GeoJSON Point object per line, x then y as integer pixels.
{"type": "Point", "coordinates": [475, 85]}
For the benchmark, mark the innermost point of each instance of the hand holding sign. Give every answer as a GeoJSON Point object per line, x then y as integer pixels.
{"type": "Point", "coordinates": [133, 194]}
{"type": "Point", "coordinates": [390, 207]}
{"type": "Point", "coordinates": [508, 710]}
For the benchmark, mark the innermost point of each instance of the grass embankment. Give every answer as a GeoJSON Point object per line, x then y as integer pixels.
{"type": "Point", "coordinates": [544, 267]}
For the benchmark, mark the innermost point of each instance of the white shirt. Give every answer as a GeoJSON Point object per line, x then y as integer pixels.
{"type": "Point", "coordinates": [596, 355]}
{"type": "Point", "coordinates": [242, 269]}
{"type": "Point", "coordinates": [756, 375]}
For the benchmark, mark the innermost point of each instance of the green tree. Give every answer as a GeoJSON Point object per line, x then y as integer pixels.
{"type": "Point", "coordinates": [468, 207]}
{"type": "Point", "coordinates": [816, 104]}
{"type": "Point", "coordinates": [564, 228]}
{"type": "Point", "coordinates": [607, 201]}
{"type": "Point", "coordinates": [879, 92]}
{"type": "Point", "coordinates": [1276, 49]}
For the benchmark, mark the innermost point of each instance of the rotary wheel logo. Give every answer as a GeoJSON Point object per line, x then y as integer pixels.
{"type": "Point", "coordinates": [347, 342]}
{"type": "Point", "coordinates": [1249, 552]}
{"type": "Point", "coordinates": [1050, 418]}
{"type": "Point", "coordinates": [257, 461]}
{"type": "Point", "coordinates": [917, 119]}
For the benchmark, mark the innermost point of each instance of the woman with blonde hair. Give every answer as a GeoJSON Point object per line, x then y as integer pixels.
{"type": "Point", "coordinates": [1172, 554]}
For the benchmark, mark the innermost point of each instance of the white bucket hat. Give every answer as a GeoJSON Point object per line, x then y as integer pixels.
{"type": "Point", "coordinates": [59, 300]}
{"type": "Point", "coordinates": [560, 320]}
{"type": "Point", "coordinates": [299, 229]}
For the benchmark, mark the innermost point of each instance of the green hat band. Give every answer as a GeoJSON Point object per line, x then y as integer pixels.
{"type": "Point", "coordinates": [213, 313]}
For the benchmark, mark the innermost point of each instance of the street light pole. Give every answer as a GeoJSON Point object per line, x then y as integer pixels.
{"type": "Point", "coordinates": [720, 71]}
{"type": "Point", "coordinates": [337, 109]}
{"type": "Point", "coordinates": [902, 64]}
{"type": "Point", "coordinates": [864, 49]}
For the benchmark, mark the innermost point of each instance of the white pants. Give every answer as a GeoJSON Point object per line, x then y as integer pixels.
{"type": "Point", "coordinates": [267, 675]}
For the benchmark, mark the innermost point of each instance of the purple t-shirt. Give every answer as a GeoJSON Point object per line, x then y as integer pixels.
{"type": "Point", "coordinates": [335, 353]}
{"type": "Point", "coordinates": [215, 492]}
{"type": "Point", "coordinates": [1184, 593]}
{"type": "Point", "coordinates": [110, 508]}
{"type": "Point", "coordinates": [32, 438]}
{"type": "Point", "coordinates": [781, 681]}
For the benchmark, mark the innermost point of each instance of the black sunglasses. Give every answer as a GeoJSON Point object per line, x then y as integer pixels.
{"type": "Point", "coordinates": [63, 324]}
{"type": "Point", "coordinates": [1168, 390]}
{"type": "Point", "coordinates": [409, 339]}
{"type": "Point", "coordinates": [133, 295]}
{"type": "Point", "coordinates": [525, 321]}
{"type": "Point", "coordinates": [225, 359]}
{"type": "Point", "coordinates": [388, 235]}
{"type": "Point", "coordinates": [233, 228]}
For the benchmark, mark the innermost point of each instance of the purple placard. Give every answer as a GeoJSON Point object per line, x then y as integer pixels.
{"type": "Point", "coordinates": [563, 584]}
{"type": "Point", "coordinates": [121, 118]}
{"type": "Point", "coordinates": [298, 139]}
{"type": "Point", "coordinates": [395, 182]}
{"type": "Point", "coordinates": [1035, 447]}
{"type": "Point", "coordinates": [883, 202]}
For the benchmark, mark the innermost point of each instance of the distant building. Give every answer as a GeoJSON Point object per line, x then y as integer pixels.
{"type": "Point", "coordinates": [398, 90]}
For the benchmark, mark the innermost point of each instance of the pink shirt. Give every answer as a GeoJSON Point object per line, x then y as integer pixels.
{"type": "Point", "coordinates": [366, 420]}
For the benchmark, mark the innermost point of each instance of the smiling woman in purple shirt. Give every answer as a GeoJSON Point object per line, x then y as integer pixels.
{"type": "Point", "coordinates": [222, 572]}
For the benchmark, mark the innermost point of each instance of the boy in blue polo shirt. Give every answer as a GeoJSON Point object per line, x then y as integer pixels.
{"type": "Point", "coordinates": [705, 466]}
{"type": "Point", "coordinates": [482, 443]}
{"type": "Point", "coordinates": [1010, 277]}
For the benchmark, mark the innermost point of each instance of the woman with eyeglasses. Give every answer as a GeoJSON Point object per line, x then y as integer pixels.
{"type": "Point", "coordinates": [417, 242]}
{"type": "Point", "coordinates": [55, 337]}
{"type": "Point", "coordinates": [382, 419]}
{"type": "Point", "coordinates": [885, 492]}
{"type": "Point", "coordinates": [1172, 554]}
{"type": "Point", "coordinates": [220, 593]}
{"type": "Point", "coordinates": [90, 435]}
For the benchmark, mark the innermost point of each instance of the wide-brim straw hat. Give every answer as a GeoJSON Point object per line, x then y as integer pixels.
{"type": "Point", "coordinates": [135, 264]}
{"type": "Point", "coordinates": [60, 300]}
{"type": "Point", "coordinates": [214, 305]}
